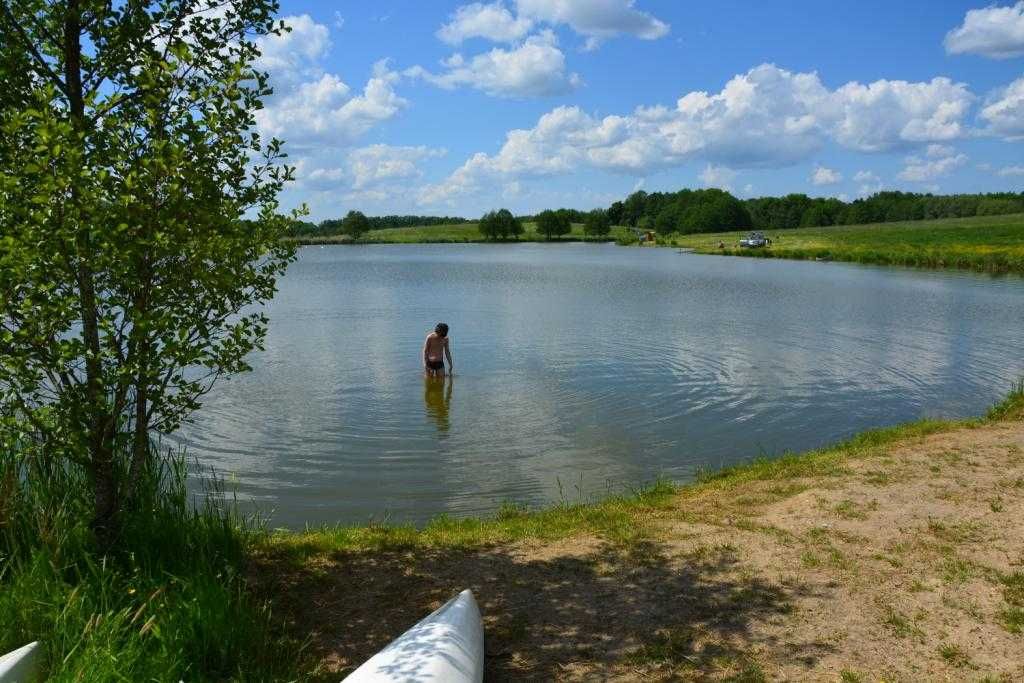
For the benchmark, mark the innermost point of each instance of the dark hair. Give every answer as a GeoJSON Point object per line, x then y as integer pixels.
{"type": "Point", "coordinates": [441, 329]}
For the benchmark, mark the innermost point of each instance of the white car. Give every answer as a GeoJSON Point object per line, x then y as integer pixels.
{"type": "Point", "coordinates": [754, 239]}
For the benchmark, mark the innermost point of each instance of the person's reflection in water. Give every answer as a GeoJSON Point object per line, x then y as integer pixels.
{"type": "Point", "coordinates": [437, 397]}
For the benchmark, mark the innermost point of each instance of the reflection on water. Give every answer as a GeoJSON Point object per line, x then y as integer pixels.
{"type": "Point", "coordinates": [587, 362]}
{"type": "Point", "coordinates": [437, 398]}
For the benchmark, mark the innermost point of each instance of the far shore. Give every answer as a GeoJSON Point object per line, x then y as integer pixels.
{"type": "Point", "coordinates": [993, 244]}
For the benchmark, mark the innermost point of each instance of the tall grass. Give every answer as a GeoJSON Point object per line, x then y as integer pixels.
{"type": "Point", "coordinates": [169, 603]}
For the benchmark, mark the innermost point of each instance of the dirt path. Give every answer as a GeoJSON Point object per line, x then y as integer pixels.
{"type": "Point", "coordinates": [907, 566]}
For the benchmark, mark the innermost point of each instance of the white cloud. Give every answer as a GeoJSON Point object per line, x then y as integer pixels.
{"type": "Point", "coordinates": [595, 18]}
{"type": "Point", "coordinates": [868, 181]}
{"type": "Point", "coordinates": [310, 107]}
{"type": "Point", "coordinates": [825, 176]}
{"type": "Point", "coordinates": [325, 112]}
{"type": "Point", "coordinates": [717, 176]}
{"type": "Point", "coordinates": [491, 21]}
{"type": "Point", "coordinates": [1007, 171]}
{"type": "Point", "coordinates": [376, 163]}
{"type": "Point", "coordinates": [939, 151]}
{"type": "Point", "coordinates": [294, 54]}
{"type": "Point", "coordinates": [534, 68]}
{"type": "Point", "coordinates": [765, 118]}
{"type": "Point", "coordinates": [889, 114]}
{"type": "Point", "coordinates": [996, 32]}
{"type": "Point", "coordinates": [1004, 111]}
{"type": "Point", "coordinates": [940, 161]}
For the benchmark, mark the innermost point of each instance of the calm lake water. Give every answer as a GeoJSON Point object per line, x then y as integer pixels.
{"type": "Point", "coordinates": [582, 369]}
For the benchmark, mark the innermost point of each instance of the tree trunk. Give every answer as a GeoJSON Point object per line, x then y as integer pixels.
{"type": "Point", "coordinates": [97, 413]}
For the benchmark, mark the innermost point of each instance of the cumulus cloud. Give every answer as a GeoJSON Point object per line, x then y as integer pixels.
{"type": "Point", "coordinates": [365, 169]}
{"type": "Point", "coordinates": [595, 18]}
{"type": "Point", "coordinates": [295, 53]}
{"type": "Point", "coordinates": [378, 163]}
{"type": "Point", "coordinates": [1004, 111]}
{"type": "Point", "coordinates": [939, 161]}
{"type": "Point", "coordinates": [1008, 171]}
{"type": "Point", "coordinates": [825, 176]}
{"type": "Point", "coordinates": [883, 115]}
{"type": "Point", "coordinates": [765, 118]}
{"type": "Point", "coordinates": [717, 176]}
{"type": "Point", "coordinates": [534, 68]}
{"type": "Point", "coordinates": [310, 107]}
{"type": "Point", "coordinates": [477, 20]}
{"type": "Point", "coordinates": [326, 112]}
{"type": "Point", "coordinates": [868, 181]}
{"type": "Point", "coordinates": [996, 32]}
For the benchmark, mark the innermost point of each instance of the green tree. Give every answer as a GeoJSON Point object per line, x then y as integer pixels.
{"type": "Point", "coordinates": [553, 223]}
{"type": "Point", "coordinates": [355, 224]}
{"type": "Point", "coordinates": [127, 275]}
{"type": "Point", "coordinates": [500, 224]}
{"type": "Point", "coordinates": [596, 223]}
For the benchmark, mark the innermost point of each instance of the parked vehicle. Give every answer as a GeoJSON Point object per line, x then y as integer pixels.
{"type": "Point", "coordinates": [754, 240]}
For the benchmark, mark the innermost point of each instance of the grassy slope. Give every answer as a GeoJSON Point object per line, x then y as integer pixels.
{"type": "Point", "coordinates": [988, 243]}
{"type": "Point", "coordinates": [465, 232]}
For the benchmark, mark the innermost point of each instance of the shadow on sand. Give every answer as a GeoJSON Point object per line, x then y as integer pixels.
{"type": "Point", "coordinates": [587, 612]}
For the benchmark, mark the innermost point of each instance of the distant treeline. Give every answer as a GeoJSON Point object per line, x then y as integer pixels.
{"type": "Point", "coordinates": [689, 211]}
{"type": "Point", "coordinates": [707, 210]}
{"type": "Point", "coordinates": [335, 226]}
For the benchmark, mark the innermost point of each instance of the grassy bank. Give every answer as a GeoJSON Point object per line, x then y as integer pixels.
{"type": "Point", "coordinates": [983, 243]}
{"type": "Point", "coordinates": [170, 602]}
{"type": "Point", "coordinates": [894, 555]}
{"type": "Point", "coordinates": [619, 517]}
{"type": "Point", "coordinates": [666, 582]}
{"type": "Point", "coordinates": [443, 234]}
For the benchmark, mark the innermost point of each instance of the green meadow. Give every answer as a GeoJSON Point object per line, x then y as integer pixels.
{"type": "Point", "coordinates": [984, 243]}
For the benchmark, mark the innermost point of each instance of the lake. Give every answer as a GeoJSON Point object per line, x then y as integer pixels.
{"type": "Point", "coordinates": [582, 369]}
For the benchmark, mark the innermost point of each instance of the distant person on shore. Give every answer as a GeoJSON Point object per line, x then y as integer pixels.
{"type": "Point", "coordinates": [435, 350]}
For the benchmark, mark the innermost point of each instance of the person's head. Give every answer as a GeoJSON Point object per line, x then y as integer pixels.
{"type": "Point", "coordinates": [441, 329]}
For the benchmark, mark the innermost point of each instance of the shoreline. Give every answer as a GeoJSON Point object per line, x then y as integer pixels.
{"type": "Point", "coordinates": [995, 246]}
{"type": "Point", "coordinates": [705, 580]}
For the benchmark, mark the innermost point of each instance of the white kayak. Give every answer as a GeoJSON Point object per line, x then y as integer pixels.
{"type": "Point", "coordinates": [446, 646]}
{"type": "Point", "coordinates": [20, 666]}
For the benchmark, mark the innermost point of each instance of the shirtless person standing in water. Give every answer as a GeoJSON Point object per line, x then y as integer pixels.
{"type": "Point", "coordinates": [433, 348]}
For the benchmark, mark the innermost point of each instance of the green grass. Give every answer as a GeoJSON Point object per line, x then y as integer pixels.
{"type": "Point", "coordinates": [169, 603]}
{"type": "Point", "coordinates": [984, 243]}
{"type": "Point", "coordinates": [462, 232]}
{"type": "Point", "coordinates": [619, 518]}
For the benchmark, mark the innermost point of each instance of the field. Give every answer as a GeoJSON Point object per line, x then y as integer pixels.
{"type": "Point", "coordinates": [984, 243]}
{"type": "Point", "coordinates": [464, 232]}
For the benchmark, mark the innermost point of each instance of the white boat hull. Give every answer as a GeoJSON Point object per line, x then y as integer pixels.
{"type": "Point", "coordinates": [448, 646]}
{"type": "Point", "coordinates": [21, 665]}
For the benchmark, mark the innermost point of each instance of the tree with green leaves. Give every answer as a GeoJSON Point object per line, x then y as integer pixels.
{"type": "Point", "coordinates": [355, 224]}
{"type": "Point", "coordinates": [596, 223]}
{"type": "Point", "coordinates": [500, 224]}
{"type": "Point", "coordinates": [128, 276]}
{"type": "Point", "coordinates": [553, 223]}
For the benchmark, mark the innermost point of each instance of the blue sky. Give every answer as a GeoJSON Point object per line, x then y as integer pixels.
{"type": "Point", "coordinates": [458, 108]}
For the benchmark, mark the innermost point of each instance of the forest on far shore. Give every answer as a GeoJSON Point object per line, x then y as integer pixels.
{"type": "Point", "coordinates": [714, 210]}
